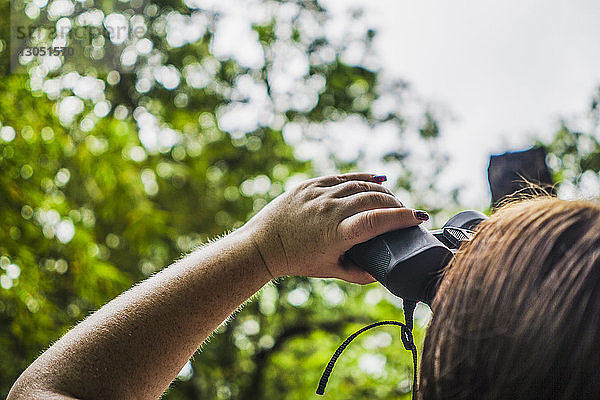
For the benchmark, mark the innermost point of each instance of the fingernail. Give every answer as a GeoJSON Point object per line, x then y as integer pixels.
{"type": "Point", "coordinates": [380, 178]}
{"type": "Point", "coordinates": [422, 215]}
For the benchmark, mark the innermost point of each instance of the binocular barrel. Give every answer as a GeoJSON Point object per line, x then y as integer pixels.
{"type": "Point", "coordinates": [409, 262]}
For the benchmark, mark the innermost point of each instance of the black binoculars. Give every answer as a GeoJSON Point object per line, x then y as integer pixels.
{"type": "Point", "coordinates": [409, 262]}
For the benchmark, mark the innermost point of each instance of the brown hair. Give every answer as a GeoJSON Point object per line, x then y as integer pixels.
{"type": "Point", "coordinates": [517, 315]}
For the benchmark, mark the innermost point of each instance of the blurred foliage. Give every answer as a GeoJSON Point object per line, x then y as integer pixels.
{"type": "Point", "coordinates": [107, 174]}
{"type": "Point", "coordinates": [574, 154]}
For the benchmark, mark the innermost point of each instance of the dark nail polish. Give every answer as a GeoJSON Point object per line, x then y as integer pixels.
{"type": "Point", "coordinates": [380, 178]}
{"type": "Point", "coordinates": [422, 215]}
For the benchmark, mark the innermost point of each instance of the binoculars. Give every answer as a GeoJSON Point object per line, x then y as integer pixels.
{"type": "Point", "coordinates": [409, 262]}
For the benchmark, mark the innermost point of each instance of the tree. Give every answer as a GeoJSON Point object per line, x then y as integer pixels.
{"type": "Point", "coordinates": [116, 163]}
{"type": "Point", "coordinates": [574, 154]}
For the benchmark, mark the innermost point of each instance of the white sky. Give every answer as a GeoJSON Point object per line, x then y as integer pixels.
{"type": "Point", "coordinates": [506, 70]}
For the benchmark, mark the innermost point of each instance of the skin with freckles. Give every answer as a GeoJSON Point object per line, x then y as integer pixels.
{"type": "Point", "coordinates": [134, 346]}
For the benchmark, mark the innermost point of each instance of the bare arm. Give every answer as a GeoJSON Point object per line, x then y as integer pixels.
{"type": "Point", "coordinates": [135, 345]}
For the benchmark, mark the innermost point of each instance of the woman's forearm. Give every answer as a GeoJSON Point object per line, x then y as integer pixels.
{"type": "Point", "coordinates": [137, 343]}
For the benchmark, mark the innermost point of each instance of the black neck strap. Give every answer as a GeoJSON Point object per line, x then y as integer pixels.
{"type": "Point", "coordinates": [407, 341]}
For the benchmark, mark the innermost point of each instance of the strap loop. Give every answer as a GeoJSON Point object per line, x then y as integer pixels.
{"type": "Point", "coordinates": [407, 341]}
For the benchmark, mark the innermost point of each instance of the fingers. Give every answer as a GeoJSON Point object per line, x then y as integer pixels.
{"type": "Point", "coordinates": [352, 187]}
{"type": "Point", "coordinates": [365, 225]}
{"type": "Point", "coordinates": [333, 180]}
{"type": "Point", "coordinates": [356, 275]}
{"type": "Point", "coordinates": [352, 274]}
{"type": "Point", "coordinates": [366, 201]}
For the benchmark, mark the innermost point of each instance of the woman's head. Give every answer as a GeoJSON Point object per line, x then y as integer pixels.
{"type": "Point", "coordinates": [517, 314]}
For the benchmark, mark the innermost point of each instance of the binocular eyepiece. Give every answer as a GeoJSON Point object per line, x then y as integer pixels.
{"type": "Point", "coordinates": [409, 262]}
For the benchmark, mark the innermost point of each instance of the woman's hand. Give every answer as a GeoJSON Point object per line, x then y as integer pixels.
{"type": "Point", "coordinates": [136, 344]}
{"type": "Point", "coordinates": [306, 230]}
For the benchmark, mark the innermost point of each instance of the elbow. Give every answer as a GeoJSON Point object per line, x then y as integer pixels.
{"type": "Point", "coordinates": [23, 388]}
{"type": "Point", "coordinates": [21, 391]}
{"type": "Point", "coordinates": [27, 387]}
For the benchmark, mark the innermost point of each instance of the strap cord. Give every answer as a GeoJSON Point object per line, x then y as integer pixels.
{"type": "Point", "coordinates": [405, 334]}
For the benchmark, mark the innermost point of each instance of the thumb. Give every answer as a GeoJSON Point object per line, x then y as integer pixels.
{"type": "Point", "coordinates": [366, 225]}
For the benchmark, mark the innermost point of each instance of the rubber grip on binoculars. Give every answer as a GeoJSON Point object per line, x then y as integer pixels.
{"type": "Point", "coordinates": [406, 261]}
